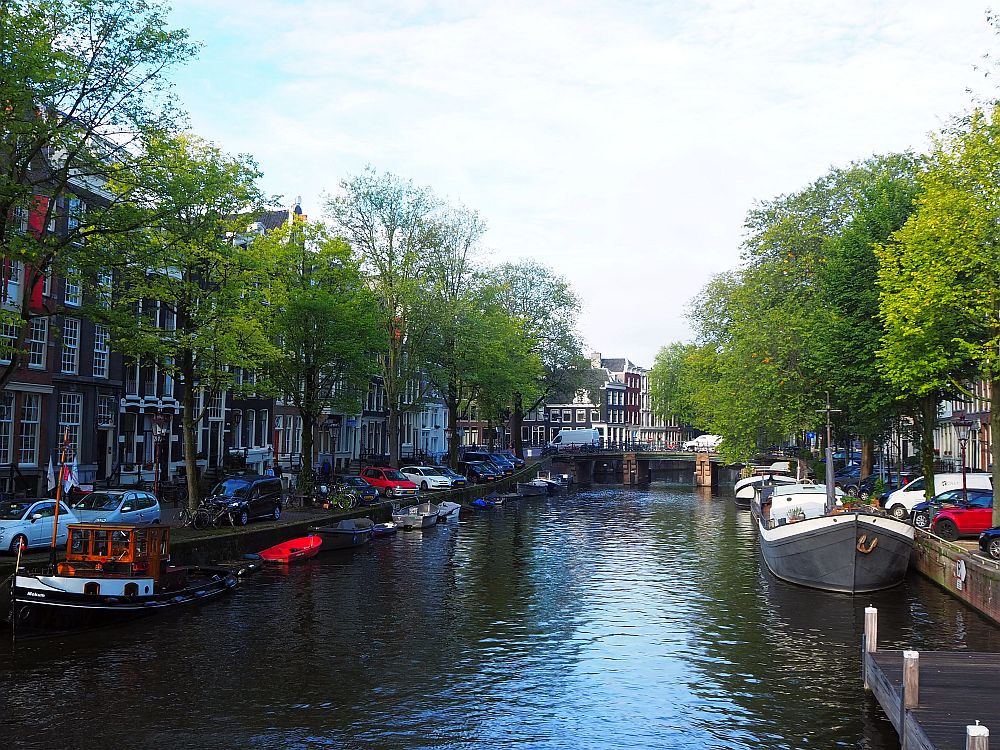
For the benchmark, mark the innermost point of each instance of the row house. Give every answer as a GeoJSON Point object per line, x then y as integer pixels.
{"type": "Point", "coordinates": [64, 393]}
{"type": "Point", "coordinates": [965, 420]}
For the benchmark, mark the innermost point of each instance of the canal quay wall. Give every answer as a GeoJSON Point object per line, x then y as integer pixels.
{"type": "Point", "coordinates": [189, 547]}
{"type": "Point", "coordinates": [968, 577]}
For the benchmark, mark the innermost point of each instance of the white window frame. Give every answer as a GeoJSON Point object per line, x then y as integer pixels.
{"type": "Point", "coordinates": [102, 350]}
{"type": "Point", "coordinates": [70, 419]}
{"type": "Point", "coordinates": [38, 348]}
{"type": "Point", "coordinates": [6, 427]}
{"type": "Point", "coordinates": [31, 418]}
{"type": "Point", "coordinates": [69, 363]}
{"type": "Point", "coordinates": [72, 290]}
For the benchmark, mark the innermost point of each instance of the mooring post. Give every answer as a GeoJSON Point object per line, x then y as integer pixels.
{"type": "Point", "coordinates": [870, 640]}
{"type": "Point", "coordinates": [977, 737]}
{"type": "Point", "coordinates": [911, 679]}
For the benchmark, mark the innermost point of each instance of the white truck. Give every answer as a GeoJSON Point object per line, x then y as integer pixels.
{"type": "Point", "coordinates": [703, 443]}
{"type": "Point", "coordinates": [576, 438]}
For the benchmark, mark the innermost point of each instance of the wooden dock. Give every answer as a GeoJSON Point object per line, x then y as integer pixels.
{"type": "Point", "coordinates": [935, 700]}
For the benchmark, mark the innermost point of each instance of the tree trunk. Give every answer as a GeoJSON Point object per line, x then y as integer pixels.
{"type": "Point", "coordinates": [928, 419]}
{"type": "Point", "coordinates": [188, 425]}
{"type": "Point", "coordinates": [994, 384]}
{"type": "Point", "coordinates": [867, 456]}
{"type": "Point", "coordinates": [451, 401]}
{"type": "Point", "coordinates": [305, 484]}
{"type": "Point", "coordinates": [392, 430]}
{"type": "Point", "coordinates": [516, 420]}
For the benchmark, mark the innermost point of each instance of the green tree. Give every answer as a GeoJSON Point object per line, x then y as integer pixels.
{"type": "Point", "coordinates": [323, 323]}
{"type": "Point", "coordinates": [83, 86]}
{"type": "Point", "coordinates": [191, 263]}
{"type": "Point", "coordinates": [391, 224]}
{"type": "Point", "coordinates": [940, 276]}
{"type": "Point", "coordinates": [549, 309]}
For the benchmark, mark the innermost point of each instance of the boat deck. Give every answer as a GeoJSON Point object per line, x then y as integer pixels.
{"type": "Point", "coordinates": [955, 690]}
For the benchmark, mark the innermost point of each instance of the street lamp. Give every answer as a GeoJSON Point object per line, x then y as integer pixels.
{"type": "Point", "coordinates": [962, 426]}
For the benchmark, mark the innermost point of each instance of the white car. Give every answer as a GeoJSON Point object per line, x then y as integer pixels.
{"type": "Point", "coordinates": [30, 522]}
{"type": "Point", "coordinates": [703, 443]}
{"type": "Point", "coordinates": [427, 477]}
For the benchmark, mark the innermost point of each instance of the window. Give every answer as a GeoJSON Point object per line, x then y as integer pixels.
{"type": "Point", "coordinates": [72, 291]}
{"type": "Point", "coordinates": [265, 439]}
{"type": "Point", "coordinates": [71, 346]}
{"type": "Point", "coordinates": [75, 213]}
{"type": "Point", "coordinates": [13, 270]}
{"type": "Point", "coordinates": [70, 418]}
{"type": "Point", "coordinates": [20, 219]}
{"type": "Point", "coordinates": [31, 409]}
{"type": "Point", "coordinates": [104, 281]}
{"type": "Point", "coordinates": [105, 411]}
{"type": "Point", "coordinates": [249, 418]}
{"type": "Point", "coordinates": [102, 351]}
{"type": "Point", "coordinates": [37, 343]}
{"type": "Point", "coordinates": [215, 407]}
{"type": "Point", "coordinates": [8, 336]}
{"type": "Point", "coordinates": [595, 415]}
{"type": "Point", "coordinates": [279, 428]}
{"type": "Point", "coordinates": [567, 415]}
{"type": "Point", "coordinates": [554, 415]}
{"type": "Point", "coordinates": [6, 426]}
{"type": "Point", "coordinates": [581, 415]}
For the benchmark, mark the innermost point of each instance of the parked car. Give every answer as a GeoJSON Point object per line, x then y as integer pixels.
{"type": "Point", "coordinates": [478, 472]}
{"type": "Point", "coordinates": [512, 457]}
{"type": "Point", "coordinates": [389, 482]}
{"type": "Point", "coordinates": [845, 475]}
{"type": "Point", "coordinates": [356, 484]}
{"type": "Point", "coordinates": [967, 519]}
{"type": "Point", "coordinates": [901, 501]}
{"type": "Point", "coordinates": [703, 443]}
{"type": "Point", "coordinates": [117, 506]}
{"type": "Point", "coordinates": [989, 542]}
{"type": "Point", "coordinates": [248, 497]}
{"type": "Point", "coordinates": [923, 513]}
{"type": "Point", "coordinates": [504, 467]}
{"type": "Point", "coordinates": [457, 480]}
{"type": "Point", "coordinates": [30, 522]}
{"type": "Point", "coordinates": [891, 481]}
{"type": "Point", "coordinates": [426, 477]}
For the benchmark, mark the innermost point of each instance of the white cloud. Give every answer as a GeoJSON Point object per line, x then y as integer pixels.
{"type": "Point", "coordinates": [620, 143]}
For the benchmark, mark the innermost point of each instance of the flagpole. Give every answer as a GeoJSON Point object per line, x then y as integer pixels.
{"type": "Point", "coordinates": [55, 520]}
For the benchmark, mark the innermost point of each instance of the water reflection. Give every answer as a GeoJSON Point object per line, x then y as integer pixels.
{"type": "Point", "coordinates": [604, 618]}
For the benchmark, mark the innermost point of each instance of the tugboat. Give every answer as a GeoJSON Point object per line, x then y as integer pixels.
{"type": "Point", "coordinates": [112, 573]}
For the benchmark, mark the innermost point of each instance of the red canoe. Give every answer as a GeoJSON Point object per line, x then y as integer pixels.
{"type": "Point", "coordinates": [294, 549]}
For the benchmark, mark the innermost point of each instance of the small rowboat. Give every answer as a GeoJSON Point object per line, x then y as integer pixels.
{"type": "Point", "coordinates": [293, 550]}
{"type": "Point", "coordinates": [384, 529]}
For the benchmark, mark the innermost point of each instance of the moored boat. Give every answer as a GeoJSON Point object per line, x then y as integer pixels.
{"type": "Point", "coordinates": [534, 488]}
{"type": "Point", "coordinates": [747, 489]}
{"type": "Point", "coordinates": [112, 573]}
{"type": "Point", "coordinates": [416, 516]}
{"type": "Point", "coordinates": [805, 541]}
{"type": "Point", "coordinates": [293, 550]}
{"type": "Point", "coordinates": [347, 534]}
{"type": "Point", "coordinates": [448, 511]}
{"type": "Point", "coordinates": [388, 528]}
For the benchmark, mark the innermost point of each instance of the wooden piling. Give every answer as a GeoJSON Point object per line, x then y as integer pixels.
{"type": "Point", "coordinates": [911, 679]}
{"type": "Point", "coordinates": [870, 644]}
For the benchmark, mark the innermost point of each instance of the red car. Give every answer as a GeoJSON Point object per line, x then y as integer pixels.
{"type": "Point", "coordinates": [389, 482]}
{"type": "Point", "coordinates": [965, 520]}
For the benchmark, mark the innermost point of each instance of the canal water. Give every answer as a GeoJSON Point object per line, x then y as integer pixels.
{"type": "Point", "coordinates": [602, 618]}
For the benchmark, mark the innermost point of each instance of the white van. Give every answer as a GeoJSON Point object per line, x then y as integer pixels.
{"type": "Point", "coordinates": [900, 503]}
{"type": "Point", "coordinates": [577, 438]}
{"type": "Point", "coordinates": [703, 443]}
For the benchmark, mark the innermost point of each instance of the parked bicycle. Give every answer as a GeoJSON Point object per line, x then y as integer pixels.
{"type": "Point", "coordinates": [211, 515]}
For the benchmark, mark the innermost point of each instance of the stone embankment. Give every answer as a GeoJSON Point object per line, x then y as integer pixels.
{"type": "Point", "coordinates": [969, 577]}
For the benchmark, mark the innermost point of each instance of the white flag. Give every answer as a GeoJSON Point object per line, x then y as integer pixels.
{"type": "Point", "coordinates": [72, 480]}
{"type": "Point", "coordinates": [51, 476]}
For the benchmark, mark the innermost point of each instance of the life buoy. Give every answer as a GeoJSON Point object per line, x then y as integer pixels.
{"type": "Point", "coordinates": [861, 544]}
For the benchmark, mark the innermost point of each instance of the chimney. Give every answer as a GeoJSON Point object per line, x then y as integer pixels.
{"type": "Point", "coordinates": [595, 360]}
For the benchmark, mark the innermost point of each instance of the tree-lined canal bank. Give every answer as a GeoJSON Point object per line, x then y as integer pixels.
{"type": "Point", "coordinates": [599, 618]}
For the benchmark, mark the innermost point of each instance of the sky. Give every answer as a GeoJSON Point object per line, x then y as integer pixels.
{"type": "Point", "coordinates": [620, 143]}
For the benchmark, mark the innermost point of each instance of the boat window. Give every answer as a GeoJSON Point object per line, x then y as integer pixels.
{"type": "Point", "coordinates": [120, 544]}
{"type": "Point", "coordinates": [141, 542]}
{"type": "Point", "coordinates": [92, 587]}
{"type": "Point", "coordinates": [80, 541]}
{"type": "Point", "coordinates": [101, 544]}
{"type": "Point", "coordinates": [131, 589]}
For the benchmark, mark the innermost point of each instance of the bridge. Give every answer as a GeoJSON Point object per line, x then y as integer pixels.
{"type": "Point", "coordinates": [639, 467]}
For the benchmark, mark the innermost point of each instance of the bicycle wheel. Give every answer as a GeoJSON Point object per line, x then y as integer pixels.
{"type": "Point", "coordinates": [201, 520]}
{"type": "Point", "coordinates": [352, 500]}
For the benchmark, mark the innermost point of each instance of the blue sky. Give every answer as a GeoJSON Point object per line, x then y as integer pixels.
{"type": "Point", "coordinates": [620, 143]}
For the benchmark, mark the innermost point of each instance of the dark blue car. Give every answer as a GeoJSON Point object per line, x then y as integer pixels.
{"type": "Point", "coordinates": [989, 542]}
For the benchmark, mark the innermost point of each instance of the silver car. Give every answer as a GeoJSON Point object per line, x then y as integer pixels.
{"type": "Point", "coordinates": [118, 506]}
{"type": "Point", "coordinates": [30, 522]}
